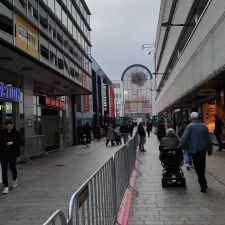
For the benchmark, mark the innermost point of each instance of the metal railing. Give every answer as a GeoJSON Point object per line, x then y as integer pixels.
{"type": "Point", "coordinates": [34, 145]}
{"type": "Point", "coordinates": [98, 200]}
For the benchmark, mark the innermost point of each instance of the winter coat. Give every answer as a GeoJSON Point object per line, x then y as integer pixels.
{"type": "Point", "coordinates": [12, 151]}
{"type": "Point", "coordinates": [110, 134]}
{"type": "Point", "coordinates": [196, 135]}
{"type": "Point", "coordinates": [161, 131]}
{"type": "Point", "coordinates": [169, 141]}
{"type": "Point", "coordinates": [149, 126]}
{"type": "Point", "coordinates": [141, 131]}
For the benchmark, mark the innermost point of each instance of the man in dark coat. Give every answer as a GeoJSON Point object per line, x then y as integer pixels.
{"type": "Point", "coordinates": [161, 130]}
{"type": "Point", "coordinates": [149, 127]}
{"type": "Point", "coordinates": [9, 151]}
{"type": "Point", "coordinates": [218, 131]}
{"type": "Point", "coordinates": [142, 134]}
{"type": "Point", "coordinates": [196, 136]}
{"type": "Point", "coordinates": [87, 130]}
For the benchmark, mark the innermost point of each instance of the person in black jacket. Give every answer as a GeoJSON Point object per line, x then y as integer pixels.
{"type": "Point", "coordinates": [142, 134]}
{"type": "Point", "coordinates": [87, 130]}
{"type": "Point", "coordinates": [161, 130]}
{"type": "Point", "coordinates": [9, 151]}
{"type": "Point", "coordinates": [218, 131]}
{"type": "Point", "coordinates": [170, 141]}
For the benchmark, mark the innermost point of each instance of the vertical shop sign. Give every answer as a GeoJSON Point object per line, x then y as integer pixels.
{"type": "Point", "coordinates": [86, 104]}
{"type": "Point", "coordinates": [104, 93]}
{"type": "Point", "coordinates": [112, 107]}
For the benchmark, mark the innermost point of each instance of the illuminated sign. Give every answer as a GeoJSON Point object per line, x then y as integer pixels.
{"type": "Point", "coordinates": [105, 97]}
{"type": "Point", "coordinates": [137, 106]}
{"type": "Point", "coordinates": [9, 92]}
{"type": "Point", "coordinates": [53, 102]}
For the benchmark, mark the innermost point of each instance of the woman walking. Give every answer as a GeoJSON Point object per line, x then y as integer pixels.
{"type": "Point", "coordinates": [110, 135]}
{"type": "Point", "coordinates": [9, 151]}
{"type": "Point", "coordinates": [142, 134]}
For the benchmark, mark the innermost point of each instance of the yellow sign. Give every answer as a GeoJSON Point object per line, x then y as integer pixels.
{"type": "Point", "coordinates": [209, 111]}
{"type": "Point", "coordinates": [26, 37]}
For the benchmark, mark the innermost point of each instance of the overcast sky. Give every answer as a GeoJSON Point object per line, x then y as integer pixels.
{"type": "Point", "coordinates": [119, 29]}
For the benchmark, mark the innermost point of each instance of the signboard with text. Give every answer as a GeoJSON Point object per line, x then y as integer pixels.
{"type": "Point", "coordinates": [27, 37]}
{"type": "Point", "coordinates": [53, 102]}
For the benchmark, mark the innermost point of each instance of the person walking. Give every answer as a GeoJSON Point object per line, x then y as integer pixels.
{"type": "Point", "coordinates": [149, 127]}
{"type": "Point", "coordinates": [218, 131]}
{"type": "Point", "coordinates": [87, 131]}
{"type": "Point", "coordinates": [142, 135]}
{"type": "Point", "coordinates": [98, 132]}
{"type": "Point", "coordinates": [124, 132]}
{"type": "Point", "coordinates": [196, 136]}
{"type": "Point", "coordinates": [9, 151]}
{"type": "Point", "coordinates": [161, 130]}
{"type": "Point", "coordinates": [130, 129]}
{"type": "Point", "coordinates": [187, 155]}
{"type": "Point", "coordinates": [110, 135]}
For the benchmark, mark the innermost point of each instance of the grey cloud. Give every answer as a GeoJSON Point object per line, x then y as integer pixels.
{"type": "Point", "coordinates": [120, 27]}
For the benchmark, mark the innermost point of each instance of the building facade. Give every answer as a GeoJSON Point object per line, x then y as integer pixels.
{"type": "Point", "coordinates": [137, 92]}
{"type": "Point", "coordinates": [98, 108]}
{"type": "Point", "coordinates": [44, 62]}
{"type": "Point", "coordinates": [191, 57]}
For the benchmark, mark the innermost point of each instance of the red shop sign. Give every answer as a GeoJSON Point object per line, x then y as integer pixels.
{"type": "Point", "coordinates": [53, 102]}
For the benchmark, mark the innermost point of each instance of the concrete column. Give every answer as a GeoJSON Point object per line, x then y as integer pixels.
{"type": "Point", "coordinates": [28, 106]}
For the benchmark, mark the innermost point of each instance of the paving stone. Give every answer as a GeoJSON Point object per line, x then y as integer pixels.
{"type": "Point", "coordinates": [178, 205]}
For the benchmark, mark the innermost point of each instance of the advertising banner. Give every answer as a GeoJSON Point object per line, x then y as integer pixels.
{"type": "Point", "coordinates": [86, 105]}
{"type": "Point", "coordinates": [112, 107]}
{"type": "Point", "coordinates": [209, 110]}
{"type": "Point", "coordinates": [137, 106]}
{"type": "Point", "coordinates": [27, 37]}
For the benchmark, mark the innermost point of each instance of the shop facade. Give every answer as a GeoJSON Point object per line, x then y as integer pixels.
{"type": "Point", "coordinates": [45, 60]}
{"type": "Point", "coordinates": [190, 60]}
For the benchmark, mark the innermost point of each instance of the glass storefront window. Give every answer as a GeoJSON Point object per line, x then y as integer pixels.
{"type": "Point", "coordinates": [23, 3]}
{"type": "Point", "coordinates": [51, 5]}
{"type": "Point", "coordinates": [70, 26]}
{"type": "Point", "coordinates": [69, 4]}
{"type": "Point", "coordinates": [64, 18]}
{"type": "Point", "coordinates": [6, 19]}
{"type": "Point", "coordinates": [58, 10]}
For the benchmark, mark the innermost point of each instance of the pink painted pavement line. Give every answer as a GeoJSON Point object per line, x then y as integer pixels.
{"type": "Point", "coordinates": [126, 204]}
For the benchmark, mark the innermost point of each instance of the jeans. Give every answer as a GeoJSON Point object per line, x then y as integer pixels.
{"type": "Point", "coordinates": [199, 160]}
{"type": "Point", "coordinates": [12, 166]}
{"type": "Point", "coordinates": [187, 157]}
{"type": "Point", "coordinates": [141, 143]}
{"type": "Point", "coordinates": [218, 137]}
{"type": "Point", "coordinates": [125, 138]}
{"type": "Point", "coordinates": [107, 142]}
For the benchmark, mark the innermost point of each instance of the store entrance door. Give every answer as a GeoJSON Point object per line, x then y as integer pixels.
{"type": "Point", "coordinates": [7, 112]}
{"type": "Point", "coordinates": [50, 128]}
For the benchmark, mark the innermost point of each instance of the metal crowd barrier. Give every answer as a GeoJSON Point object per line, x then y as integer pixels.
{"type": "Point", "coordinates": [98, 200]}
{"type": "Point", "coordinates": [34, 145]}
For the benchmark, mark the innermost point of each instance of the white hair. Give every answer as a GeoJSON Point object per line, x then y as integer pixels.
{"type": "Point", "coordinates": [194, 116]}
{"type": "Point", "coordinates": [170, 131]}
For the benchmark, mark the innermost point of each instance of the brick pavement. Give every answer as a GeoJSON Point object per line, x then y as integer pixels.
{"type": "Point", "coordinates": [49, 182]}
{"type": "Point", "coordinates": [176, 205]}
